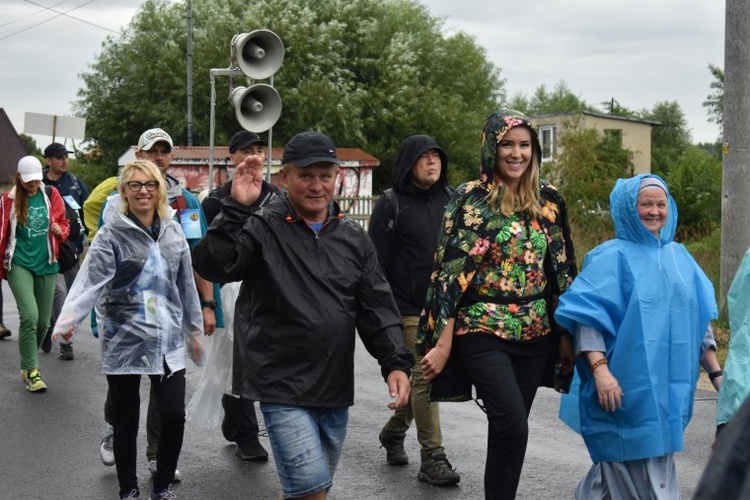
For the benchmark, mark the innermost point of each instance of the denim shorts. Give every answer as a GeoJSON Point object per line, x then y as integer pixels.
{"type": "Point", "coordinates": [306, 444]}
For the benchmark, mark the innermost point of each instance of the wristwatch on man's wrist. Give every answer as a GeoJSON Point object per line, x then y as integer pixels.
{"type": "Point", "coordinates": [209, 303]}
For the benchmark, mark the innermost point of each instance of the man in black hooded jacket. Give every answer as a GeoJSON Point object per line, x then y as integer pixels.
{"type": "Point", "coordinates": [405, 228]}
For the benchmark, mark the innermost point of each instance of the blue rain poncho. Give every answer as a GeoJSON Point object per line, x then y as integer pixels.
{"type": "Point", "coordinates": [652, 303]}
{"type": "Point", "coordinates": [735, 385]}
{"type": "Point", "coordinates": [143, 293]}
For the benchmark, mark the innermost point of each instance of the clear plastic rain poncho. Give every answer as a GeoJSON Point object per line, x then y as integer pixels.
{"type": "Point", "coordinates": [143, 293]}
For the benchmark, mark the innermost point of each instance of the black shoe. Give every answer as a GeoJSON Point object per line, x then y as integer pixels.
{"type": "Point", "coordinates": [252, 450]}
{"type": "Point", "coordinates": [4, 332]}
{"type": "Point", "coordinates": [47, 342]}
{"type": "Point", "coordinates": [437, 471]}
{"type": "Point", "coordinates": [66, 352]}
{"type": "Point", "coordinates": [394, 448]}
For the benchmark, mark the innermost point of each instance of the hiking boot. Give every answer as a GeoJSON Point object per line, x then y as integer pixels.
{"type": "Point", "coordinates": [437, 471]}
{"type": "Point", "coordinates": [47, 342]}
{"type": "Point", "coordinates": [394, 448]}
{"type": "Point", "coordinates": [66, 352]}
{"type": "Point", "coordinates": [106, 448]}
{"type": "Point", "coordinates": [152, 469]}
{"type": "Point", "coordinates": [165, 494]}
{"type": "Point", "coordinates": [133, 494]}
{"type": "Point", "coordinates": [252, 450]}
{"type": "Point", "coordinates": [34, 382]}
{"type": "Point", "coordinates": [4, 332]}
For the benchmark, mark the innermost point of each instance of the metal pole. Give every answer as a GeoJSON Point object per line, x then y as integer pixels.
{"type": "Point", "coordinates": [214, 72]}
{"type": "Point", "coordinates": [735, 204]}
{"type": "Point", "coordinates": [211, 135]}
{"type": "Point", "coordinates": [189, 74]}
{"type": "Point", "coordinates": [270, 148]}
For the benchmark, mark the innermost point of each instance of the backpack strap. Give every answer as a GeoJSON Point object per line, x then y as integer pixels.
{"type": "Point", "coordinates": [392, 199]}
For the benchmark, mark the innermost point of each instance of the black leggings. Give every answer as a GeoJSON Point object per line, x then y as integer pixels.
{"type": "Point", "coordinates": [506, 383]}
{"type": "Point", "coordinates": [124, 396]}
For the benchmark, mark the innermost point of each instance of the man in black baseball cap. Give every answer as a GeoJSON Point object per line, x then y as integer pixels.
{"type": "Point", "coordinates": [311, 282]}
{"type": "Point", "coordinates": [240, 423]}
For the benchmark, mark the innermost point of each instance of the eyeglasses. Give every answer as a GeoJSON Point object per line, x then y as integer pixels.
{"type": "Point", "coordinates": [136, 186]}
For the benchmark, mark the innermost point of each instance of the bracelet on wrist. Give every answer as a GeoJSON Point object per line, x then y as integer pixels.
{"type": "Point", "coordinates": [597, 364]}
{"type": "Point", "coordinates": [716, 374]}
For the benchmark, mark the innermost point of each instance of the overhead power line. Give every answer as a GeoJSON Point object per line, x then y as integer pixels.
{"type": "Point", "coordinates": [57, 14]}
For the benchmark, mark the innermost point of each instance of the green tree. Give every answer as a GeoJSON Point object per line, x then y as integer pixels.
{"type": "Point", "coordinates": [669, 140]}
{"type": "Point", "coordinates": [714, 102]}
{"type": "Point", "coordinates": [30, 144]}
{"type": "Point", "coordinates": [366, 72]}
{"type": "Point", "coordinates": [695, 184]}
{"type": "Point", "coordinates": [586, 169]}
{"type": "Point", "coordinates": [560, 100]}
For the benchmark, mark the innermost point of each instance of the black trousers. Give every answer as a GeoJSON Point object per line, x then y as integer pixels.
{"type": "Point", "coordinates": [124, 399]}
{"type": "Point", "coordinates": [240, 421]}
{"type": "Point", "coordinates": [507, 384]}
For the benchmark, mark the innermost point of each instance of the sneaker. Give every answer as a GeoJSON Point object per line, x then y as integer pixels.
{"type": "Point", "coordinates": [47, 342]}
{"type": "Point", "coordinates": [4, 332]}
{"type": "Point", "coordinates": [394, 448]}
{"type": "Point", "coordinates": [252, 450]}
{"type": "Point", "coordinates": [165, 494]}
{"type": "Point", "coordinates": [66, 352]}
{"type": "Point", "coordinates": [106, 448]}
{"type": "Point", "coordinates": [133, 494]}
{"type": "Point", "coordinates": [34, 382]}
{"type": "Point", "coordinates": [437, 471]}
{"type": "Point", "coordinates": [152, 470]}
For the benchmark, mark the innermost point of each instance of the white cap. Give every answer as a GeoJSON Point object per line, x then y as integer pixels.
{"type": "Point", "coordinates": [30, 169]}
{"type": "Point", "coordinates": [151, 137]}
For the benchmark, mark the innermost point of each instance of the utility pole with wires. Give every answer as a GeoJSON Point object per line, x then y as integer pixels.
{"type": "Point", "coordinates": [735, 202]}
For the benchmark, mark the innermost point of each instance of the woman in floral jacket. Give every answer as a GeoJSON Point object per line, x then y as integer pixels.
{"type": "Point", "coordinates": [503, 259]}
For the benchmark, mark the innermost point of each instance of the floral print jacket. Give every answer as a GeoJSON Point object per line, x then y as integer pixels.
{"type": "Point", "coordinates": [497, 275]}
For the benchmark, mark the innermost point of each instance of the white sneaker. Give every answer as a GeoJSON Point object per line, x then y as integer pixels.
{"type": "Point", "coordinates": [106, 448]}
{"type": "Point", "coordinates": [152, 470]}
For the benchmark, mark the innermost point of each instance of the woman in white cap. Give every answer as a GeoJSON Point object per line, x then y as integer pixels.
{"type": "Point", "coordinates": [32, 226]}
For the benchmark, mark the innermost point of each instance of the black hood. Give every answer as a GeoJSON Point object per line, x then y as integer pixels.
{"type": "Point", "coordinates": [408, 153]}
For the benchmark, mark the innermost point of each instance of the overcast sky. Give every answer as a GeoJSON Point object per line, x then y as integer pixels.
{"type": "Point", "coordinates": [639, 52]}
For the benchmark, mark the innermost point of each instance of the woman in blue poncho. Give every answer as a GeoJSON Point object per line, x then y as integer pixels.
{"type": "Point", "coordinates": [640, 313]}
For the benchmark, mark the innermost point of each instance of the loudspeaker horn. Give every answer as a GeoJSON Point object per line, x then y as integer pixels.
{"type": "Point", "coordinates": [257, 107]}
{"type": "Point", "coordinates": [259, 54]}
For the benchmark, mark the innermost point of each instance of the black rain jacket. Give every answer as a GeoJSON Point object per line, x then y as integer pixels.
{"type": "Point", "coordinates": [303, 295]}
{"type": "Point", "coordinates": [406, 243]}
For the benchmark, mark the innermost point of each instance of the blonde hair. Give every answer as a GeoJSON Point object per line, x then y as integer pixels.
{"type": "Point", "coordinates": [527, 199]}
{"type": "Point", "coordinates": [152, 171]}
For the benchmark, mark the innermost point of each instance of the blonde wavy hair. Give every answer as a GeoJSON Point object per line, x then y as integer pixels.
{"type": "Point", "coordinates": [150, 170]}
{"type": "Point", "coordinates": [527, 198]}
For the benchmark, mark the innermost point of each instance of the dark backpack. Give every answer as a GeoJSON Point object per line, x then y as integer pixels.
{"type": "Point", "coordinates": [67, 255]}
{"type": "Point", "coordinates": [390, 196]}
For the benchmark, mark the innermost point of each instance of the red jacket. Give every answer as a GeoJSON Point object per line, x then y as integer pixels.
{"type": "Point", "coordinates": [56, 209]}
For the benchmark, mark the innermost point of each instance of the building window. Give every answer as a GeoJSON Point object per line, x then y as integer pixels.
{"type": "Point", "coordinates": [614, 136]}
{"type": "Point", "coordinates": [548, 137]}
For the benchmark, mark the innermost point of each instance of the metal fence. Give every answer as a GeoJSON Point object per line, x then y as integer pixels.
{"type": "Point", "coordinates": [358, 208]}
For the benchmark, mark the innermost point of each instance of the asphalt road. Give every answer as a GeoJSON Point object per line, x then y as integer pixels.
{"type": "Point", "coordinates": [49, 443]}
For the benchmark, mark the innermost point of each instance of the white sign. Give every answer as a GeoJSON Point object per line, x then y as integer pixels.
{"type": "Point", "coordinates": [69, 127]}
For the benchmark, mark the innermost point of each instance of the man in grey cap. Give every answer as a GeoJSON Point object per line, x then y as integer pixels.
{"type": "Point", "coordinates": [240, 423]}
{"type": "Point", "coordinates": [310, 280]}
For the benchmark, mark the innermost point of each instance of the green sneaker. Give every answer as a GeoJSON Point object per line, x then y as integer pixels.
{"type": "Point", "coordinates": [34, 382]}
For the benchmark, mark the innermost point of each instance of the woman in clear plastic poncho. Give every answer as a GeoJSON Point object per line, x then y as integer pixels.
{"type": "Point", "coordinates": [138, 277]}
{"type": "Point", "coordinates": [640, 312]}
